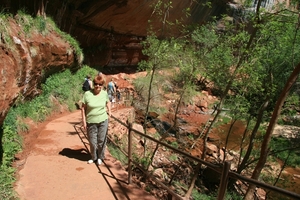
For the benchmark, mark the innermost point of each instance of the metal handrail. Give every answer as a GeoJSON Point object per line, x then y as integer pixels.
{"type": "Point", "coordinates": [224, 169]}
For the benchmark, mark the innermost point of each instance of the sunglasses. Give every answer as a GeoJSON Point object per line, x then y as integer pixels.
{"type": "Point", "coordinates": [97, 84]}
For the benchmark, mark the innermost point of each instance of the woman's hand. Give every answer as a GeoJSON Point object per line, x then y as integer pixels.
{"type": "Point", "coordinates": [83, 117]}
{"type": "Point", "coordinates": [84, 126]}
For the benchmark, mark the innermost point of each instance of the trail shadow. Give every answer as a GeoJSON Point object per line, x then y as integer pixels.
{"type": "Point", "coordinates": [79, 154]}
{"type": "Point", "coordinates": [122, 185]}
{"type": "Point", "coordinates": [120, 189]}
{"type": "Point", "coordinates": [72, 133]}
{"type": "Point", "coordinates": [74, 123]}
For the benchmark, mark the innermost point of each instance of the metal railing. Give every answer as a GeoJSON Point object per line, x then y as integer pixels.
{"type": "Point", "coordinates": [223, 170]}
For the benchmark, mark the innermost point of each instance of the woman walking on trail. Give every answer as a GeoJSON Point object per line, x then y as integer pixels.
{"type": "Point", "coordinates": [95, 110]}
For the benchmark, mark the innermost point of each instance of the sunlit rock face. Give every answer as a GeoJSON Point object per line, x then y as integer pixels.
{"type": "Point", "coordinates": [25, 59]}
{"type": "Point", "coordinates": [110, 31]}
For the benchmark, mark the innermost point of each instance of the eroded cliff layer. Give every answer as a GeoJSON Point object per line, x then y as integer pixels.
{"type": "Point", "coordinates": [24, 57]}
{"type": "Point", "coordinates": [110, 31]}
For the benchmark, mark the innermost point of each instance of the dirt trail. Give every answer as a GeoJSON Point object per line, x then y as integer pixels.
{"type": "Point", "coordinates": [56, 167]}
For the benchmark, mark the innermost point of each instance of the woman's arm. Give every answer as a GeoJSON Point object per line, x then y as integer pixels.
{"type": "Point", "coordinates": [83, 108]}
{"type": "Point", "coordinates": [108, 107]}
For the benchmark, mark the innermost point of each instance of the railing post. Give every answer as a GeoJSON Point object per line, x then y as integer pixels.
{"type": "Point", "coordinates": [129, 151]}
{"type": "Point", "coordinates": [224, 180]}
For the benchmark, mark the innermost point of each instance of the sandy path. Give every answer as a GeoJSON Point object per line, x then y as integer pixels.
{"type": "Point", "coordinates": [56, 168]}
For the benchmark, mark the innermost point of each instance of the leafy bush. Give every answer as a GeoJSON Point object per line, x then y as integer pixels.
{"type": "Point", "coordinates": [116, 153]}
{"type": "Point", "coordinates": [11, 145]}
{"type": "Point", "coordinates": [212, 196]}
{"type": "Point", "coordinates": [281, 146]}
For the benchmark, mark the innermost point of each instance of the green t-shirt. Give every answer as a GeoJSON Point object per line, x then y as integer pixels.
{"type": "Point", "coordinates": [95, 106]}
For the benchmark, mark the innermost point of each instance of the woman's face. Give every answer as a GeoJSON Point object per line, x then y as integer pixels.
{"type": "Point", "coordinates": [97, 87]}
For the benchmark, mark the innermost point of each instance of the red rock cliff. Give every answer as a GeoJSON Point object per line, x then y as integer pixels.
{"type": "Point", "coordinates": [23, 59]}
{"type": "Point", "coordinates": [110, 31]}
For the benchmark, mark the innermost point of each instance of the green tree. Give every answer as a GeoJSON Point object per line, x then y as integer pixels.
{"type": "Point", "coordinates": [265, 145]}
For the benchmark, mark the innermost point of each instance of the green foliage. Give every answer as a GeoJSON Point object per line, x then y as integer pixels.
{"type": "Point", "coordinates": [6, 182]}
{"type": "Point", "coordinates": [233, 196]}
{"type": "Point", "coordinates": [267, 178]}
{"type": "Point", "coordinates": [212, 196]}
{"type": "Point", "coordinates": [245, 67]}
{"type": "Point", "coordinates": [173, 158]}
{"type": "Point", "coordinates": [156, 50]}
{"type": "Point", "coordinates": [156, 135]}
{"type": "Point", "coordinates": [292, 104]}
{"type": "Point", "coordinates": [142, 87]}
{"type": "Point", "coordinates": [277, 52]}
{"type": "Point", "coordinates": [38, 109]}
{"type": "Point", "coordinates": [202, 196]}
{"type": "Point", "coordinates": [116, 153]}
{"type": "Point", "coordinates": [239, 70]}
{"type": "Point", "coordinates": [216, 53]}
{"type": "Point", "coordinates": [159, 110]}
{"type": "Point", "coordinates": [22, 126]}
{"type": "Point", "coordinates": [30, 24]}
{"type": "Point", "coordinates": [289, 111]}
{"type": "Point", "coordinates": [237, 106]}
{"type": "Point", "coordinates": [25, 21]}
{"type": "Point", "coordinates": [11, 145]}
{"type": "Point", "coordinates": [144, 161]}
{"type": "Point", "coordinates": [57, 90]}
{"type": "Point", "coordinates": [174, 144]}
{"type": "Point", "coordinates": [5, 29]}
{"type": "Point", "coordinates": [41, 24]}
{"type": "Point", "coordinates": [74, 44]}
{"type": "Point", "coordinates": [281, 147]}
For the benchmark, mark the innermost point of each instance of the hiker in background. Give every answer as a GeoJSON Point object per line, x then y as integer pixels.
{"type": "Point", "coordinates": [111, 90]}
{"type": "Point", "coordinates": [118, 94]}
{"type": "Point", "coordinates": [95, 110]}
{"type": "Point", "coordinates": [87, 84]}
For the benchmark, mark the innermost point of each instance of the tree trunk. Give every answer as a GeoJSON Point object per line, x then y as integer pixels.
{"type": "Point", "coordinates": [41, 9]}
{"type": "Point", "coordinates": [242, 166]}
{"type": "Point", "coordinates": [265, 144]}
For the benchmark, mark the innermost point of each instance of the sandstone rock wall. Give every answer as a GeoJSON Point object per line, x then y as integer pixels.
{"type": "Point", "coordinates": [25, 58]}
{"type": "Point", "coordinates": [110, 31]}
